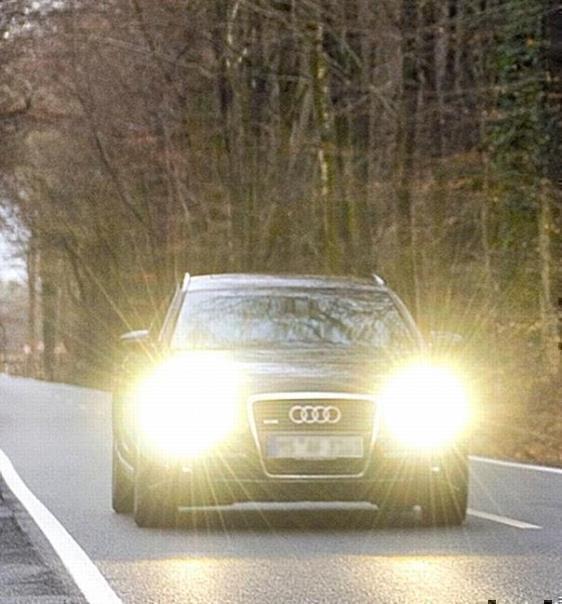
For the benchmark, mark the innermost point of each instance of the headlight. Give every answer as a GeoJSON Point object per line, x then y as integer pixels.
{"type": "Point", "coordinates": [187, 405]}
{"type": "Point", "coordinates": [424, 406]}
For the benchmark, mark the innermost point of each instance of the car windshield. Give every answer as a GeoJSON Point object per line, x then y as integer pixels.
{"type": "Point", "coordinates": [272, 319]}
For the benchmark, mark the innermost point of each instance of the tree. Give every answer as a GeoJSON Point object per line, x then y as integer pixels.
{"type": "Point", "coordinates": [143, 139]}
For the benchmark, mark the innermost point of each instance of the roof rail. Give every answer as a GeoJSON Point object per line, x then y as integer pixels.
{"type": "Point", "coordinates": [186, 280]}
{"type": "Point", "coordinates": [378, 279]}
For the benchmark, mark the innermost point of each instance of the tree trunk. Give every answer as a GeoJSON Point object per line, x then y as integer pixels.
{"type": "Point", "coordinates": [48, 277]}
{"type": "Point", "coordinates": [406, 150]}
{"type": "Point", "coordinates": [32, 308]}
{"type": "Point", "coordinates": [549, 327]}
{"type": "Point", "coordinates": [324, 150]}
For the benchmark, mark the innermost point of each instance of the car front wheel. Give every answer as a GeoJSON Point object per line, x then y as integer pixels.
{"type": "Point", "coordinates": [446, 501]}
{"type": "Point", "coordinates": [155, 494]}
{"type": "Point", "coordinates": [122, 490]}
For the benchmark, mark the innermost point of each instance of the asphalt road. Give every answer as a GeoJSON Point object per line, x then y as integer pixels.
{"type": "Point", "coordinates": [58, 439]}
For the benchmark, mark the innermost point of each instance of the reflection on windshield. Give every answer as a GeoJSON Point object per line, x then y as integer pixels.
{"type": "Point", "coordinates": [273, 319]}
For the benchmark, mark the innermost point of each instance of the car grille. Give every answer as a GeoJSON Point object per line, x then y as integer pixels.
{"type": "Point", "coordinates": [272, 416]}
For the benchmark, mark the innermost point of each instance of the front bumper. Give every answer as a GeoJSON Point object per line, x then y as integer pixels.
{"type": "Point", "coordinates": [406, 476]}
{"type": "Point", "coordinates": [239, 470]}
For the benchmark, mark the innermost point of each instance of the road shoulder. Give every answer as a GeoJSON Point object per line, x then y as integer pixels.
{"type": "Point", "coordinates": [30, 570]}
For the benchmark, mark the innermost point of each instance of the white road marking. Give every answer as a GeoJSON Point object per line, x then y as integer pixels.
{"type": "Point", "coordinates": [503, 520]}
{"type": "Point", "coordinates": [516, 464]}
{"type": "Point", "coordinates": [86, 575]}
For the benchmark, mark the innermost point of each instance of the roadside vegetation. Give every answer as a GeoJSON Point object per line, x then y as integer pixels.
{"type": "Point", "coordinates": [416, 138]}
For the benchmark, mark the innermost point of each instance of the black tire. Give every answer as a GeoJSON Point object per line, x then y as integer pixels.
{"type": "Point", "coordinates": [388, 515]}
{"type": "Point", "coordinates": [447, 500]}
{"type": "Point", "coordinates": [122, 487]}
{"type": "Point", "coordinates": [391, 506]}
{"type": "Point", "coordinates": [155, 501]}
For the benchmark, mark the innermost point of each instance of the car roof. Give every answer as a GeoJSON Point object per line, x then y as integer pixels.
{"type": "Point", "coordinates": [232, 281]}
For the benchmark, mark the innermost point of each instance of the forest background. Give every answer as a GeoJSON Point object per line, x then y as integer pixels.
{"type": "Point", "coordinates": [420, 139]}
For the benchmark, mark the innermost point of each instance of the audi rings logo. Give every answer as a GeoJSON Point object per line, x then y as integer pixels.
{"type": "Point", "coordinates": [314, 414]}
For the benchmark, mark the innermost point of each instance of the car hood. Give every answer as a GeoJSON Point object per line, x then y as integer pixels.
{"type": "Point", "coordinates": [309, 370]}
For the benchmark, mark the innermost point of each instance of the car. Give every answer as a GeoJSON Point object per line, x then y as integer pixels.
{"type": "Point", "coordinates": [287, 388]}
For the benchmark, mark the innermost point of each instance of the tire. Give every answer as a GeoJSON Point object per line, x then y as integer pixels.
{"type": "Point", "coordinates": [155, 501]}
{"type": "Point", "coordinates": [446, 502]}
{"type": "Point", "coordinates": [388, 515]}
{"type": "Point", "coordinates": [391, 506]}
{"type": "Point", "coordinates": [122, 488]}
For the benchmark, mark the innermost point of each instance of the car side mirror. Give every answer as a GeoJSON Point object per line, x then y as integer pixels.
{"type": "Point", "coordinates": [136, 351]}
{"type": "Point", "coordinates": [139, 343]}
{"type": "Point", "coordinates": [135, 338]}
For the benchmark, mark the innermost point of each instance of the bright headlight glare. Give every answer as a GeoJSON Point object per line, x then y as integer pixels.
{"type": "Point", "coordinates": [187, 405]}
{"type": "Point", "coordinates": [425, 406]}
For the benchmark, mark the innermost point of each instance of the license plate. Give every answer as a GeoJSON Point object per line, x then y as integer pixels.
{"type": "Point", "coordinates": [313, 446]}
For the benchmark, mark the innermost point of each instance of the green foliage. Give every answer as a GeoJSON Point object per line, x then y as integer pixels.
{"type": "Point", "coordinates": [518, 137]}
